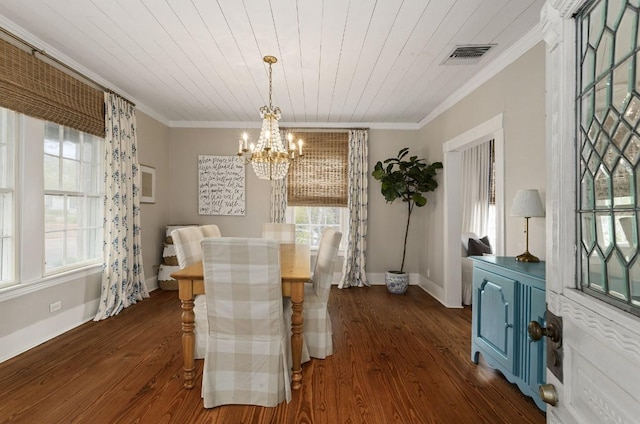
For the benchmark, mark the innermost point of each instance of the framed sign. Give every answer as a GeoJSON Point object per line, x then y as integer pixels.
{"type": "Point", "coordinates": [221, 183]}
{"type": "Point", "coordinates": [148, 182]}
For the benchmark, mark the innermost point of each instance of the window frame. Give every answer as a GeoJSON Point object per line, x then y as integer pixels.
{"type": "Point", "coordinates": [11, 119]}
{"type": "Point", "coordinates": [344, 224]}
{"type": "Point", "coordinates": [83, 196]}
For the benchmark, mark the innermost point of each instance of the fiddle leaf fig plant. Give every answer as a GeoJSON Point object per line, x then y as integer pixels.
{"type": "Point", "coordinates": [408, 180]}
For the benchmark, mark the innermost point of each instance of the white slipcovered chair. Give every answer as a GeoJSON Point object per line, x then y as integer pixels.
{"type": "Point", "coordinates": [189, 251]}
{"type": "Point", "coordinates": [318, 335]}
{"type": "Point", "coordinates": [284, 233]}
{"type": "Point", "coordinates": [211, 230]}
{"type": "Point", "coordinates": [246, 357]}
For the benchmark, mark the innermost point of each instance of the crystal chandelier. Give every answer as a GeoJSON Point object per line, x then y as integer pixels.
{"type": "Point", "coordinates": [270, 158]}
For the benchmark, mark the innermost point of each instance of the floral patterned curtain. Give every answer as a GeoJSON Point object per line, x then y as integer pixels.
{"type": "Point", "coordinates": [278, 200]}
{"type": "Point", "coordinates": [353, 270]}
{"type": "Point", "coordinates": [123, 274]}
{"type": "Point", "coordinates": [278, 206]}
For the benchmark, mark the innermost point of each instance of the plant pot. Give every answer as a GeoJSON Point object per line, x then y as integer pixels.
{"type": "Point", "coordinates": [396, 281]}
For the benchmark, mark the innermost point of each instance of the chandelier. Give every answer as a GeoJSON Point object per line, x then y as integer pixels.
{"type": "Point", "coordinates": [270, 158]}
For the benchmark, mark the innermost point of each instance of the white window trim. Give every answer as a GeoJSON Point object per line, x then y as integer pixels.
{"type": "Point", "coordinates": [344, 220]}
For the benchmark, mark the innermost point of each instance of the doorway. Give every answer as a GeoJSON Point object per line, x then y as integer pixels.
{"type": "Point", "coordinates": [452, 150]}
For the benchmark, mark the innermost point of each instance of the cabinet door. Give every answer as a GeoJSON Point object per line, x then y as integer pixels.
{"type": "Point", "coordinates": [494, 318]}
{"type": "Point", "coordinates": [536, 349]}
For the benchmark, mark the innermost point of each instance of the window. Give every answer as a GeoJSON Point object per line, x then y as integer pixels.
{"type": "Point", "coordinates": [608, 104]}
{"type": "Point", "coordinates": [317, 189]}
{"type": "Point", "coordinates": [311, 221]}
{"type": "Point", "coordinates": [73, 211]}
{"type": "Point", "coordinates": [7, 158]}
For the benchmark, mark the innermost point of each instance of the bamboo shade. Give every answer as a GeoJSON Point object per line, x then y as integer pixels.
{"type": "Point", "coordinates": [31, 86]}
{"type": "Point", "coordinates": [320, 178]}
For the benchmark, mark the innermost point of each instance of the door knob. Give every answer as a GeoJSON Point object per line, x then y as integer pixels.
{"type": "Point", "coordinates": [536, 331]}
{"type": "Point", "coordinates": [548, 394]}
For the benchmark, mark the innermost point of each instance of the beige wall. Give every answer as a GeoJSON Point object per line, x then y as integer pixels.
{"type": "Point", "coordinates": [386, 221]}
{"type": "Point", "coordinates": [518, 92]}
{"type": "Point", "coordinates": [153, 150]}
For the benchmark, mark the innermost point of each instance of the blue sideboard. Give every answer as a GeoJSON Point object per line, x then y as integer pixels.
{"type": "Point", "coordinates": [507, 295]}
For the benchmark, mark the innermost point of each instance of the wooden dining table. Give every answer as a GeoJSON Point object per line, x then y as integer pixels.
{"type": "Point", "coordinates": [295, 270]}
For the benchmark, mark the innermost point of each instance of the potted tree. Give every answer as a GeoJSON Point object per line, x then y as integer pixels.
{"type": "Point", "coordinates": [408, 180]}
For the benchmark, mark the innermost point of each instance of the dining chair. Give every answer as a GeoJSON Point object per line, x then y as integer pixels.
{"type": "Point", "coordinates": [284, 233]}
{"type": "Point", "coordinates": [189, 251]}
{"type": "Point", "coordinates": [245, 360]}
{"type": "Point", "coordinates": [317, 332]}
{"type": "Point", "coordinates": [210, 230]}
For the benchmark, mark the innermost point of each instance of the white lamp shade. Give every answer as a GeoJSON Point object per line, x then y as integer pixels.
{"type": "Point", "coordinates": [527, 203]}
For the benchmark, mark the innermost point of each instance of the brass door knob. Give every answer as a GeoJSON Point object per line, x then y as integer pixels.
{"type": "Point", "coordinates": [536, 331]}
{"type": "Point", "coordinates": [548, 394]}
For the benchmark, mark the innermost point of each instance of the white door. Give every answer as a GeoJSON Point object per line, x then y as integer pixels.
{"type": "Point", "coordinates": [601, 343]}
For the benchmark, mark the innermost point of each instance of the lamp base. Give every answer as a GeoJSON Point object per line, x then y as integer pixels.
{"type": "Point", "coordinates": [527, 257]}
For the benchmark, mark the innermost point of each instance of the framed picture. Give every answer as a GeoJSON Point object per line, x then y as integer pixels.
{"type": "Point", "coordinates": [148, 192]}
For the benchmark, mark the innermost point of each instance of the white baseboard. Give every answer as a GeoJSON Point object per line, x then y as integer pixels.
{"type": "Point", "coordinates": [152, 283]}
{"type": "Point", "coordinates": [435, 291]}
{"type": "Point", "coordinates": [40, 332]}
{"type": "Point", "coordinates": [27, 338]}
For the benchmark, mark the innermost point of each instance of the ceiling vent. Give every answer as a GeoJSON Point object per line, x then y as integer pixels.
{"type": "Point", "coordinates": [469, 54]}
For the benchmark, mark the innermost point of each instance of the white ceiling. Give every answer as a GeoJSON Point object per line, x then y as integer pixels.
{"type": "Point", "coordinates": [340, 62]}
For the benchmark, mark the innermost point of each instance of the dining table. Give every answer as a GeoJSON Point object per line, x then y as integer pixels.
{"type": "Point", "coordinates": [295, 270]}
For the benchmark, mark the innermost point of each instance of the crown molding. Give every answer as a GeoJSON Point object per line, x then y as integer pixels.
{"type": "Point", "coordinates": [408, 126]}
{"type": "Point", "coordinates": [510, 55]}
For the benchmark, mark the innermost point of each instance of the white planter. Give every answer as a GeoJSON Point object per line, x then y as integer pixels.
{"type": "Point", "coordinates": [396, 282]}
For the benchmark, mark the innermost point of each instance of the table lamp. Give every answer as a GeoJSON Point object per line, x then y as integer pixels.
{"type": "Point", "coordinates": [527, 203]}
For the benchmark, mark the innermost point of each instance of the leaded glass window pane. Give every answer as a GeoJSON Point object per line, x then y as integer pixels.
{"type": "Point", "coordinates": [608, 104]}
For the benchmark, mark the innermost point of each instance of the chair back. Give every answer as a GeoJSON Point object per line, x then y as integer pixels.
{"type": "Point", "coordinates": [246, 359]}
{"type": "Point", "coordinates": [211, 230]}
{"type": "Point", "coordinates": [187, 243]}
{"type": "Point", "coordinates": [284, 233]}
{"type": "Point", "coordinates": [243, 286]}
{"type": "Point", "coordinates": [323, 270]}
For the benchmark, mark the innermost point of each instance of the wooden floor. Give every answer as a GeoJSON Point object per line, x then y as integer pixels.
{"type": "Point", "coordinates": [398, 359]}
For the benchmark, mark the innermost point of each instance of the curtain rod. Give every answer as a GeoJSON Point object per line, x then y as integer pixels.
{"type": "Point", "coordinates": [41, 52]}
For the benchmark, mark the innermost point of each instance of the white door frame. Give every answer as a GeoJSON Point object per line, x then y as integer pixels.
{"type": "Point", "coordinates": [452, 149]}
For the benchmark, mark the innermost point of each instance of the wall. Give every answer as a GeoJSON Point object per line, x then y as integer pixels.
{"type": "Point", "coordinates": [518, 92]}
{"type": "Point", "coordinates": [79, 292]}
{"type": "Point", "coordinates": [386, 221]}
{"type": "Point", "coordinates": [153, 150]}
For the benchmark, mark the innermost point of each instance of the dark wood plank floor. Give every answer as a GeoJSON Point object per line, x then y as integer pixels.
{"type": "Point", "coordinates": [399, 359]}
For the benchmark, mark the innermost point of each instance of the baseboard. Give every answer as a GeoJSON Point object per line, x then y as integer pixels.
{"type": "Point", "coordinates": [152, 283]}
{"type": "Point", "coordinates": [435, 291]}
{"type": "Point", "coordinates": [40, 332]}
{"type": "Point", "coordinates": [27, 338]}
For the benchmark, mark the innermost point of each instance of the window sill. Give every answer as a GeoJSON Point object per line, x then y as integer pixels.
{"type": "Point", "coordinates": [28, 287]}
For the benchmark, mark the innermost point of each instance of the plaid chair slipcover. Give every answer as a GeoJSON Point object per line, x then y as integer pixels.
{"type": "Point", "coordinates": [284, 233]}
{"type": "Point", "coordinates": [246, 360]}
{"type": "Point", "coordinates": [318, 335]}
{"type": "Point", "coordinates": [210, 231]}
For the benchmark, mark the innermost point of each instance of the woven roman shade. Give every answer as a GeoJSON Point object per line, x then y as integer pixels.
{"type": "Point", "coordinates": [31, 86]}
{"type": "Point", "coordinates": [320, 178]}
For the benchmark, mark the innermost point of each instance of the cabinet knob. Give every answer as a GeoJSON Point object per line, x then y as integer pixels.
{"type": "Point", "coordinates": [536, 331]}
{"type": "Point", "coordinates": [548, 394]}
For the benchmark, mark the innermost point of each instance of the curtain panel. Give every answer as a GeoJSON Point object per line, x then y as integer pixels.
{"type": "Point", "coordinates": [123, 274]}
{"type": "Point", "coordinates": [36, 88]}
{"type": "Point", "coordinates": [476, 190]}
{"type": "Point", "coordinates": [353, 269]}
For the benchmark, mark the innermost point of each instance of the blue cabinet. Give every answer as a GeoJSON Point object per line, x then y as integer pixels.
{"type": "Point", "coordinates": [507, 295]}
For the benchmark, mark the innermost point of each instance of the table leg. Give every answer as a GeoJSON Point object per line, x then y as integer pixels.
{"type": "Point", "coordinates": [188, 341]}
{"type": "Point", "coordinates": [297, 298]}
